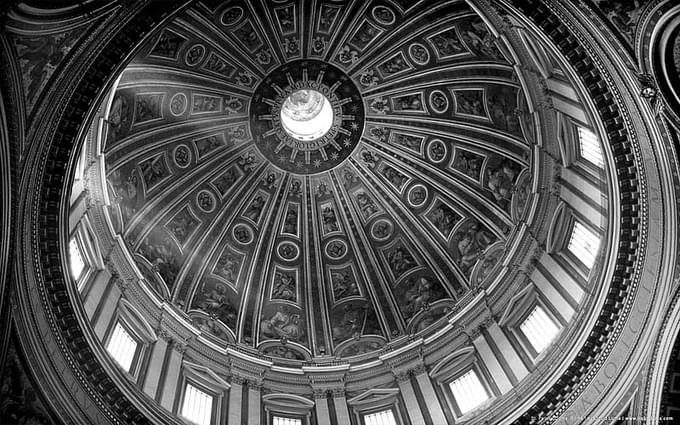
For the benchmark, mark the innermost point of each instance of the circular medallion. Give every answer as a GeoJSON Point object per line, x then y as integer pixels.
{"type": "Point", "coordinates": [195, 54]}
{"type": "Point", "coordinates": [182, 156]}
{"type": "Point", "coordinates": [436, 151]}
{"type": "Point", "coordinates": [417, 195]}
{"type": "Point", "coordinates": [307, 116]}
{"type": "Point", "coordinates": [232, 15]}
{"type": "Point", "coordinates": [206, 201]}
{"type": "Point", "coordinates": [178, 104]}
{"type": "Point", "coordinates": [383, 15]}
{"type": "Point", "coordinates": [419, 53]}
{"type": "Point", "coordinates": [439, 102]}
{"type": "Point", "coordinates": [336, 249]}
{"type": "Point", "coordinates": [288, 251]}
{"type": "Point", "coordinates": [243, 234]}
{"type": "Point", "coordinates": [382, 230]}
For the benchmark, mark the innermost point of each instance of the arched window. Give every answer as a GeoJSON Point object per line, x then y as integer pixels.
{"type": "Point", "coordinates": [281, 420]}
{"type": "Point", "coordinates": [197, 405]}
{"type": "Point", "coordinates": [589, 147]}
{"type": "Point", "coordinates": [468, 391]}
{"type": "Point", "coordinates": [122, 346]}
{"type": "Point", "coordinates": [383, 417]}
{"type": "Point", "coordinates": [584, 244]}
{"type": "Point", "coordinates": [539, 329]}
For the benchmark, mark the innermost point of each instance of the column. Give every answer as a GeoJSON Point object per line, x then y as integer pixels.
{"type": "Point", "coordinates": [430, 396]}
{"type": "Point", "coordinates": [102, 320]}
{"type": "Point", "coordinates": [235, 398]}
{"type": "Point", "coordinates": [96, 291]}
{"type": "Point", "coordinates": [155, 368]}
{"type": "Point", "coordinates": [172, 372]}
{"type": "Point", "coordinates": [412, 406]}
{"type": "Point", "coordinates": [500, 340]}
{"type": "Point", "coordinates": [323, 416]}
{"type": "Point", "coordinates": [340, 403]}
{"type": "Point", "coordinates": [492, 364]}
{"type": "Point", "coordinates": [254, 402]}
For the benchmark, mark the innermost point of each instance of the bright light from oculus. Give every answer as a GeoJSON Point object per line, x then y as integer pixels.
{"type": "Point", "coordinates": [306, 115]}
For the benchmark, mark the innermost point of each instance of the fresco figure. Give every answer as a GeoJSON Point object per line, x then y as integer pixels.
{"type": "Point", "coordinates": [153, 171]}
{"type": "Point", "coordinates": [351, 323]}
{"type": "Point", "coordinates": [255, 209]}
{"type": "Point", "coordinates": [284, 287]}
{"type": "Point", "coordinates": [330, 221]}
{"type": "Point", "coordinates": [344, 285]}
{"type": "Point", "coordinates": [283, 324]}
{"type": "Point", "coordinates": [469, 243]}
{"type": "Point", "coordinates": [366, 204]}
{"type": "Point", "coordinates": [400, 261]}
{"type": "Point", "coordinates": [290, 222]}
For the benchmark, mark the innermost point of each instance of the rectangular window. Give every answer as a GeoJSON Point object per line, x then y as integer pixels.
{"type": "Point", "coordinates": [280, 420]}
{"type": "Point", "coordinates": [122, 347]}
{"type": "Point", "coordinates": [197, 405]}
{"type": "Point", "coordinates": [539, 329]}
{"type": "Point", "coordinates": [584, 244]}
{"type": "Point", "coordinates": [384, 417]}
{"type": "Point", "coordinates": [76, 259]}
{"type": "Point", "coordinates": [590, 147]}
{"type": "Point", "coordinates": [468, 391]}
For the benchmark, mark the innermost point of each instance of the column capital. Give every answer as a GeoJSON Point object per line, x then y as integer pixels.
{"type": "Point", "coordinates": [338, 392]}
{"type": "Point", "coordinates": [320, 393]}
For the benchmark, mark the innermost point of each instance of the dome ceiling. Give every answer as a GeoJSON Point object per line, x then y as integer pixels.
{"type": "Point", "coordinates": [305, 246]}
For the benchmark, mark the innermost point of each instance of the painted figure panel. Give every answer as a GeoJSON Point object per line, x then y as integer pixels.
{"type": "Point", "coordinates": [469, 243]}
{"type": "Point", "coordinates": [352, 320]}
{"type": "Point", "coordinates": [399, 260]}
{"type": "Point", "coordinates": [285, 285]}
{"type": "Point", "coordinates": [283, 323]}
{"type": "Point", "coordinates": [148, 107]}
{"type": "Point", "coordinates": [343, 282]}
{"type": "Point", "coordinates": [366, 33]}
{"type": "Point", "coordinates": [416, 294]}
{"type": "Point", "coordinates": [168, 45]}
{"type": "Point", "coordinates": [154, 170]}
{"type": "Point", "coordinates": [447, 43]}
{"type": "Point", "coordinates": [468, 163]}
{"type": "Point", "coordinates": [443, 218]}
{"type": "Point", "coordinates": [216, 299]}
{"type": "Point", "coordinates": [183, 225]}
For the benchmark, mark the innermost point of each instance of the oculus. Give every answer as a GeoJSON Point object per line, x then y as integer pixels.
{"type": "Point", "coordinates": [307, 117]}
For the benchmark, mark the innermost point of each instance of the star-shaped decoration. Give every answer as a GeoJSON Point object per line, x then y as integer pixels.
{"type": "Point", "coordinates": [298, 164]}
{"type": "Point", "coordinates": [334, 156]}
{"type": "Point", "coordinates": [282, 158]}
{"type": "Point", "coordinates": [354, 126]}
{"type": "Point", "coordinates": [317, 163]}
{"type": "Point", "coordinates": [354, 107]}
{"type": "Point", "coordinates": [347, 142]}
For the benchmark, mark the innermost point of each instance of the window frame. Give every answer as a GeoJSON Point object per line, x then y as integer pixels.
{"type": "Point", "coordinates": [89, 253]}
{"type": "Point", "coordinates": [557, 244]}
{"type": "Point", "coordinates": [136, 357]}
{"type": "Point", "coordinates": [214, 409]}
{"type": "Point", "coordinates": [376, 400]}
{"type": "Point", "coordinates": [206, 381]}
{"type": "Point", "coordinates": [570, 149]}
{"type": "Point", "coordinates": [140, 330]}
{"type": "Point", "coordinates": [538, 304]}
{"type": "Point", "coordinates": [455, 366]}
{"type": "Point", "coordinates": [274, 416]}
{"type": "Point", "coordinates": [287, 406]}
{"type": "Point", "coordinates": [517, 311]}
{"type": "Point", "coordinates": [458, 410]}
{"type": "Point", "coordinates": [392, 408]}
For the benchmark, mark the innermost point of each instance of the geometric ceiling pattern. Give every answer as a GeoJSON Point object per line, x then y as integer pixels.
{"type": "Point", "coordinates": [329, 247]}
